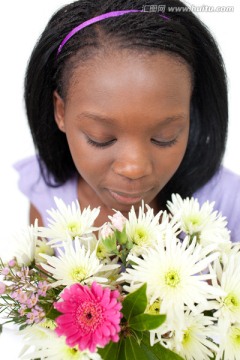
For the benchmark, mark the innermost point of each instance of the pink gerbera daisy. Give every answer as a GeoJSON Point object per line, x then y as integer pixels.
{"type": "Point", "coordinates": [91, 316]}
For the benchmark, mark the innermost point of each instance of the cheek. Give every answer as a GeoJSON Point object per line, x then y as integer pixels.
{"type": "Point", "coordinates": [168, 161]}
{"type": "Point", "coordinates": [91, 164]}
{"type": "Point", "coordinates": [180, 150]}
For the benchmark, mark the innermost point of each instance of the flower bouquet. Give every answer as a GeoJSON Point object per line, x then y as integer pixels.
{"type": "Point", "coordinates": [164, 286]}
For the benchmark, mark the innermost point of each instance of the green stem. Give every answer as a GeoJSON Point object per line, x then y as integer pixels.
{"type": "Point", "coordinates": [43, 272]}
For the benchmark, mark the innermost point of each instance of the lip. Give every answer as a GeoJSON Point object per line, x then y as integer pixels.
{"type": "Point", "coordinates": [126, 198]}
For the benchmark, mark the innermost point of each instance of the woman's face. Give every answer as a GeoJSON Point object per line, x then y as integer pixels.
{"type": "Point", "coordinates": [126, 119]}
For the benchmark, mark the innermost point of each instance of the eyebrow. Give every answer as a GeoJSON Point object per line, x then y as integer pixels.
{"type": "Point", "coordinates": [97, 117]}
{"type": "Point", "coordinates": [110, 121]}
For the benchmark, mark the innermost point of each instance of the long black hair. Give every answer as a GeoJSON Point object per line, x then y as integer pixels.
{"type": "Point", "coordinates": [183, 35]}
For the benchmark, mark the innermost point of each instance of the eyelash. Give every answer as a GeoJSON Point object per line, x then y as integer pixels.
{"type": "Point", "coordinates": [108, 143]}
{"type": "Point", "coordinates": [100, 145]}
{"type": "Point", "coordinates": [164, 144]}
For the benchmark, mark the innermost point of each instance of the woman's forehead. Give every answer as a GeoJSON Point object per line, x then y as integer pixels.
{"type": "Point", "coordinates": [121, 78]}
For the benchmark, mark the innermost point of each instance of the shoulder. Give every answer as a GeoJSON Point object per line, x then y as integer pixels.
{"type": "Point", "coordinates": [30, 179]}
{"type": "Point", "coordinates": [31, 183]}
{"type": "Point", "coordinates": [223, 186]}
{"type": "Point", "coordinates": [224, 190]}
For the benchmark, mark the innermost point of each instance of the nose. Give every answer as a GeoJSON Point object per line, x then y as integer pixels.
{"type": "Point", "coordinates": [133, 162]}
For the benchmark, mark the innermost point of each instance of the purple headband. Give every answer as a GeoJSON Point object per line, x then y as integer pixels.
{"type": "Point", "coordinates": [96, 19]}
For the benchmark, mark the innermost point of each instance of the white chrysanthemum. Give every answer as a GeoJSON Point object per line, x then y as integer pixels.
{"type": "Point", "coordinates": [35, 336]}
{"type": "Point", "coordinates": [165, 332]}
{"type": "Point", "coordinates": [76, 264]}
{"type": "Point", "coordinates": [172, 271]}
{"type": "Point", "coordinates": [42, 247]}
{"type": "Point", "coordinates": [89, 241]}
{"type": "Point", "coordinates": [45, 344]}
{"type": "Point", "coordinates": [113, 274]}
{"type": "Point", "coordinates": [233, 251]}
{"type": "Point", "coordinates": [229, 345]}
{"type": "Point", "coordinates": [68, 221]}
{"type": "Point", "coordinates": [192, 338]}
{"type": "Point", "coordinates": [228, 279]}
{"type": "Point", "coordinates": [144, 230]}
{"type": "Point", "coordinates": [192, 217]}
{"type": "Point", "coordinates": [201, 221]}
{"type": "Point", "coordinates": [22, 246]}
{"type": "Point", "coordinates": [168, 227]}
{"type": "Point", "coordinates": [59, 350]}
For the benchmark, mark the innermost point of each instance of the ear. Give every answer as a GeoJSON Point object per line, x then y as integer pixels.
{"type": "Point", "coordinates": [59, 110]}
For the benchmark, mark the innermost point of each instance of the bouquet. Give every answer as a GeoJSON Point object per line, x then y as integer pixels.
{"type": "Point", "coordinates": [146, 286]}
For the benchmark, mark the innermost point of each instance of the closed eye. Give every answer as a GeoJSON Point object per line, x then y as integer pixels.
{"type": "Point", "coordinates": [100, 144]}
{"type": "Point", "coordinates": [112, 141]}
{"type": "Point", "coordinates": [164, 143]}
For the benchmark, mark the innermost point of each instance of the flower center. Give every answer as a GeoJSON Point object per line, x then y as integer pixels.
{"type": "Point", "coordinates": [186, 337]}
{"type": "Point", "coordinates": [194, 220]}
{"type": "Point", "coordinates": [89, 316]}
{"type": "Point", "coordinates": [48, 324]}
{"type": "Point", "coordinates": [231, 301]}
{"type": "Point", "coordinates": [71, 353]}
{"type": "Point", "coordinates": [154, 309]}
{"type": "Point", "coordinates": [78, 274]}
{"type": "Point", "coordinates": [140, 236]}
{"type": "Point", "coordinates": [101, 251]}
{"type": "Point", "coordinates": [172, 278]}
{"type": "Point", "coordinates": [74, 228]}
{"type": "Point", "coordinates": [235, 335]}
{"type": "Point", "coordinates": [193, 223]}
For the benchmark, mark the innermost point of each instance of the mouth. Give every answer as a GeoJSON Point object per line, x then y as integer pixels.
{"type": "Point", "coordinates": [126, 198]}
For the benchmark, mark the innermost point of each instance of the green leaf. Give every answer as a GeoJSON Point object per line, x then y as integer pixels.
{"type": "Point", "coordinates": [129, 348]}
{"type": "Point", "coordinates": [23, 326]}
{"type": "Point", "coordinates": [138, 335]}
{"type": "Point", "coordinates": [1, 328]}
{"type": "Point", "coordinates": [144, 322]}
{"type": "Point", "coordinates": [111, 351]}
{"type": "Point", "coordinates": [53, 314]}
{"type": "Point", "coordinates": [159, 351]}
{"type": "Point", "coordinates": [121, 236]}
{"type": "Point", "coordinates": [133, 350]}
{"type": "Point", "coordinates": [110, 243]}
{"type": "Point", "coordinates": [135, 303]}
{"type": "Point", "coordinates": [121, 353]}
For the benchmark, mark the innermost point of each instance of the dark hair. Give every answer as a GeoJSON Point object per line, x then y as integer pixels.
{"type": "Point", "coordinates": [184, 35]}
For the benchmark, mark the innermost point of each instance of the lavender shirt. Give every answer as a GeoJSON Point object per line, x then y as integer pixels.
{"type": "Point", "coordinates": [223, 189]}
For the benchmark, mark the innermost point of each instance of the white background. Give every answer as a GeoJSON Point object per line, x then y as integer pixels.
{"type": "Point", "coordinates": [21, 24]}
